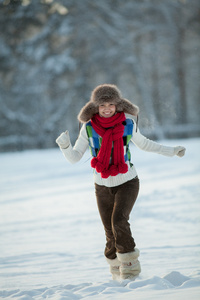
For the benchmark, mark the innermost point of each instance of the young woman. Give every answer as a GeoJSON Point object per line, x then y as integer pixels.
{"type": "Point", "coordinates": [108, 128]}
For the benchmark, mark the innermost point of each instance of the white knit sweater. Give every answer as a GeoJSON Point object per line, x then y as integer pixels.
{"type": "Point", "coordinates": [74, 154]}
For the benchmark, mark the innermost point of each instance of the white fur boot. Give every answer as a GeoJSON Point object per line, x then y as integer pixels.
{"type": "Point", "coordinates": [130, 265]}
{"type": "Point", "coordinates": [114, 267]}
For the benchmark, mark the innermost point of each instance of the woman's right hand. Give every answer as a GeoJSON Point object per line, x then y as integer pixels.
{"type": "Point", "coordinates": [63, 140]}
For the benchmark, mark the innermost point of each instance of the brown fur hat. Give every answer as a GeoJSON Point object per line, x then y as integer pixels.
{"type": "Point", "coordinates": [106, 93]}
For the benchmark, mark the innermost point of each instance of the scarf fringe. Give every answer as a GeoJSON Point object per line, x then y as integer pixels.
{"type": "Point", "coordinates": [113, 170]}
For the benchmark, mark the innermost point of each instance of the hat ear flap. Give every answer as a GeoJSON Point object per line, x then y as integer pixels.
{"type": "Point", "coordinates": [87, 112]}
{"type": "Point", "coordinates": [127, 107]}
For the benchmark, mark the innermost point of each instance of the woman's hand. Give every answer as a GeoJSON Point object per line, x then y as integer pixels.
{"type": "Point", "coordinates": [63, 140]}
{"type": "Point", "coordinates": [179, 151]}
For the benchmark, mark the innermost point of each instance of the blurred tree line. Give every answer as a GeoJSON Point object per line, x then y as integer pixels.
{"type": "Point", "coordinates": [53, 53]}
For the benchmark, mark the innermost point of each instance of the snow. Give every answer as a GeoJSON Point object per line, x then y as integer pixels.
{"type": "Point", "coordinates": [52, 240]}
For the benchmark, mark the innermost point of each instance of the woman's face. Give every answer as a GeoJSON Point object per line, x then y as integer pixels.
{"type": "Point", "coordinates": [107, 109]}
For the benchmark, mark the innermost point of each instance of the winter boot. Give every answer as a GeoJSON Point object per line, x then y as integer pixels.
{"type": "Point", "coordinates": [114, 267]}
{"type": "Point", "coordinates": [130, 265]}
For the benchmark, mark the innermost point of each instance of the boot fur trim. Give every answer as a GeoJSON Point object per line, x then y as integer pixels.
{"type": "Point", "coordinates": [129, 256]}
{"type": "Point", "coordinates": [106, 93]}
{"type": "Point", "coordinates": [113, 262]}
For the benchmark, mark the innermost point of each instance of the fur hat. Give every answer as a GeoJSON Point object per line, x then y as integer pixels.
{"type": "Point", "coordinates": [106, 93]}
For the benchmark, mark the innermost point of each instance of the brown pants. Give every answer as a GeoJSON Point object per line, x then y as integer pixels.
{"type": "Point", "coordinates": [115, 205]}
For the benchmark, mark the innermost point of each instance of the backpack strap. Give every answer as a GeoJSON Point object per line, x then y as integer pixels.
{"type": "Point", "coordinates": [137, 121]}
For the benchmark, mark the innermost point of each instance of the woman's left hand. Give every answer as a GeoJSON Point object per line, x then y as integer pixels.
{"type": "Point", "coordinates": [179, 151]}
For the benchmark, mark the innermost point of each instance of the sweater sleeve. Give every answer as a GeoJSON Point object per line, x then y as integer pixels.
{"type": "Point", "coordinates": [150, 146]}
{"type": "Point", "coordinates": [74, 154]}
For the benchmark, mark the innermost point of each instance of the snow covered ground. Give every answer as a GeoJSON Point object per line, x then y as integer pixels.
{"type": "Point", "coordinates": [52, 239]}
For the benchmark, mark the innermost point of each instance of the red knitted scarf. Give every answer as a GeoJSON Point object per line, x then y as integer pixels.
{"type": "Point", "coordinates": [111, 130]}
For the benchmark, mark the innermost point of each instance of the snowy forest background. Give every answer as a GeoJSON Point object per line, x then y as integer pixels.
{"type": "Point", "coordinates": [53, 53]}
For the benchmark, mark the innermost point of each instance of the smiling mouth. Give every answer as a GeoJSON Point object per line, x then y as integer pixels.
{"type": "Point", "coordinates": [106, 114]}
